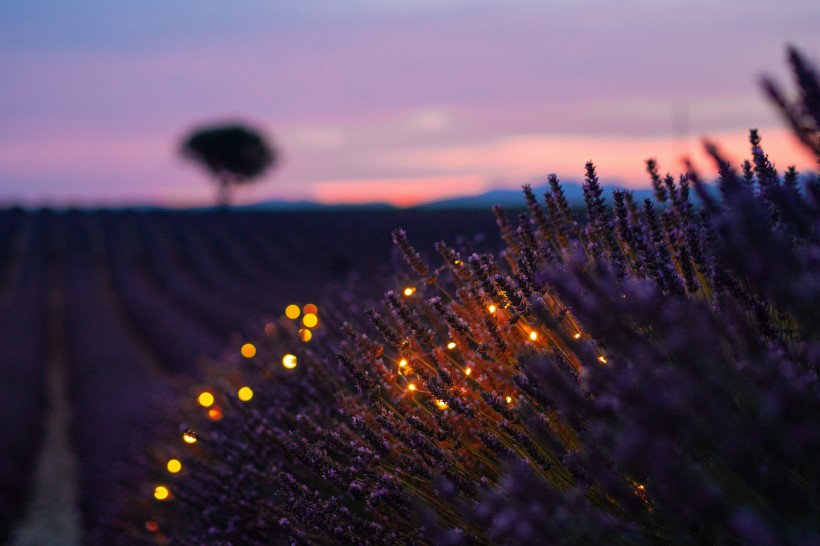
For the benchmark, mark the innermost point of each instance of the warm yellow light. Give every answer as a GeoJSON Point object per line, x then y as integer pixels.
{"type": "Point", "coordinates": [577, 336]}
{"type": "Point", "coordinates": [205, 399]}
{"type": "Point", "coordinates": [441, 404]}
{"type": "Point", "coordinates": [492, 308]}
{"type": "Point", "coordinates": [161, 492]}
{"type": "Point", "coordinates": [533, 335]}
{"type": "Point", "coordinates": [292, 311]}
{"type": "Point", "coordinates": [305, 335]}
{"type": "Point", "coordinates": [411, 387]}
{"type": "Point", "coordinates": [468, 371]}
{"type": "Point", "coordinates": [215, 413]}
{"type": "Point", "coordinates": [310, 308]}
{"type": "Point", "coordinates": [509, 399]}
{"type": "Point", "coordinates": [451, 345]}
{"type": "Point", "coordinates": [174, 466]}
{"type": "Point", "coordinates": [602, 359]}
{"type": "Point", "coordinates": [310, 320]}
{"type": "Point", "coordinates": [245, 394]}
{"type": "Point", "coordinates": [248, 350]}
{"type": "Point", "coordinates": [403, 362]}
{"type": "Point", "coordinates": [289, 361]}
{"type": "Point", "coordinates": [409, 291]}
{"type": "Point", "coordinates": [458, 262]}
{"type": "Point", "coordinates": [189, 437]}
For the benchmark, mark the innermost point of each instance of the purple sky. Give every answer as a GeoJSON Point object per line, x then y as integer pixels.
{"type": "Point", "coordinates": [381, 100]}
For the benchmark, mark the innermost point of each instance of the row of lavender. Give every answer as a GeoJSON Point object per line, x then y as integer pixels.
{"type": "Point", "coordinates": [649, 376]}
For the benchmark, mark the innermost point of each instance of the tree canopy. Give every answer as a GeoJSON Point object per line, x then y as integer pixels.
{"type": "Point", "coordinates": [232, 154]}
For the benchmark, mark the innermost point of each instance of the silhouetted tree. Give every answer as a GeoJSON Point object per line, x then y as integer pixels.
{"type": "Point", "coordinates": [233, 154]}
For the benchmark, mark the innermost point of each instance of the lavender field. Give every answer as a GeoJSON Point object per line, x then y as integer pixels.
{"type": "Point", "coordinates": [127, 305]}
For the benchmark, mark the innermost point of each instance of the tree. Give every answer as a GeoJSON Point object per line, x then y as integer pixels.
{"type": "Point", "coordinates": [232, 154]}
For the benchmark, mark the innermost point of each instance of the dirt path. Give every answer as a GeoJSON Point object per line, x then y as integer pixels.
{"type": "Point", "coordinates": [52, 518]}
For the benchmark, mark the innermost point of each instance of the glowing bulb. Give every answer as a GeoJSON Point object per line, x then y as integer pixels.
{"type": "Point", "coordinates": [310, 320]}
{"type": "Point", "coordinates": [305, 335]}
{"type": "Point", "coordinates": [292, 311]}
{"type": "Point", "coordinates": [509, 399]}
{"type": "Point", "coordinates": [409, 291]}
{"type": "Point", "coordinates": [468, 371]}
{"type": "Point", "coordinates": [289, 361]}
{"type": "Point", "coordinates": [152, 526]}
{"type": "Point", "coordinates": [310, 308]}
{"type": "Point", "coordinates": [533, 335]}
{"type": "Point", "coordinates": [451, 345]}
{"type": "Point", "coordinates": [577, 336]}
{"type": "Point", "coordinates": [248, 350]}
{"type": "Point", "coordinates": [442, 405]}
{"type": "Point", "coordinates": [411, 387]}
{"type": "Point", "coordinates": [174, 466]}
{"type": "Point", "coordinates": [205, 399]}
{"type": "Point", "coordinates": [403, 363]}
{"type": "Point", "coordinates": [492, 308]}
{"type": "Point", "coordinates": [215, 413]}
{"type": "Point", "coordinates": [602, 359]}
{"type": "Point", "coordinates": [189, 437]}
{"type": "Point", "coordinates": [245, 394]}
{"type": "Point", "coordinates": [161, 492]}
{"type": "Point", "coordinates": [458, 262]}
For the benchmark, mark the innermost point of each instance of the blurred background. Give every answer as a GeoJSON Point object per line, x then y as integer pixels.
{"type": "Point", "coordinates": [392, 101]}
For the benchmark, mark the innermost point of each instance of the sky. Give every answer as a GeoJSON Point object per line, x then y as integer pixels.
{"type": "Point", "coordinates": [402, 101]}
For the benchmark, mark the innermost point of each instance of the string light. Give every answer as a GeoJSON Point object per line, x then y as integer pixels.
{"type": "Point", "coordinates": [292, 311]}
{"type": "Point", "coordinates": [509, 399]}
{"type": "Point", "coordinates": [468, 371]}
{"type": "Point", "coordinates": [411, 387]}
{"type": "Point", "coordinates": [289, 361]}
{"type": "Point", "coordinates": [602, 359]}
{"type": "Point", "coordinates": [310, 308]}
{"type": "Point", "coordinates": [409, 291]}
{"type": "Point", "coordinates": [305, 335]}
{"type": "Point", "coordinates": [205, 399]}
{"type": "Point", "coordinates": [189, 437]}
{"type": "Point", "coordinates": [492, 308]}
{"type": "Point", "coordinates": [248, 350]}
{"type": "Point", "coordinates": [245, 394]}
{"type": "Point", "coordinates": [310, 320]}
{"type": "Point", "coordinates": [577, 336]}
{"type": "Point", "coordinates": [533, 335]}
{"type": "Point", "coordinates": [174, 466]}
{"type": "Point", "coordinates": [161, 492]}
{"type": "Point", "coordinates": [403, 363]}
{"type": "Point", "coordinates": [442, 405]}
{"type": "Point", "coordinates": [451, 345]}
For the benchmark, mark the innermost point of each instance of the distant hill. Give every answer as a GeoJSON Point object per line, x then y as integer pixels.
{"type": "Point", "coordinates": [514, 198]}
{"type": "Point", "coordinates": [508, 198]}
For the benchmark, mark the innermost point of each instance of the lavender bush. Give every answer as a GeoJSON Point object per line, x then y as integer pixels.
{"type": "Point", "coordinates": [646, 375]}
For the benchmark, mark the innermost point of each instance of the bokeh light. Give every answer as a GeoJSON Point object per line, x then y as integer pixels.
{"type": "Point", "coordinates": [248, 350]}
{"type": "Point", "coordinates": [174, 466]}
{"type": "Point", "coordinates": [189, 437]}
{"type": "Point", "coordinates": [310, 320]}
{"type": "Point", "coordinates": [289, 361]}
{"type": "Point", "coordinates": [305, 334]}
{"type": "Point", "coordinates": [245, 394]}
{"type": "Point", "coordinates": [292, 311]}
{"type": "Point", "coordinates": [205, 399]}
{"type": "Point", "coordinates": [215, 413]}
{"type": "Point", "coordinates": [310, 309]}
{"type": "Point", "coordinates": [161, 492]}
